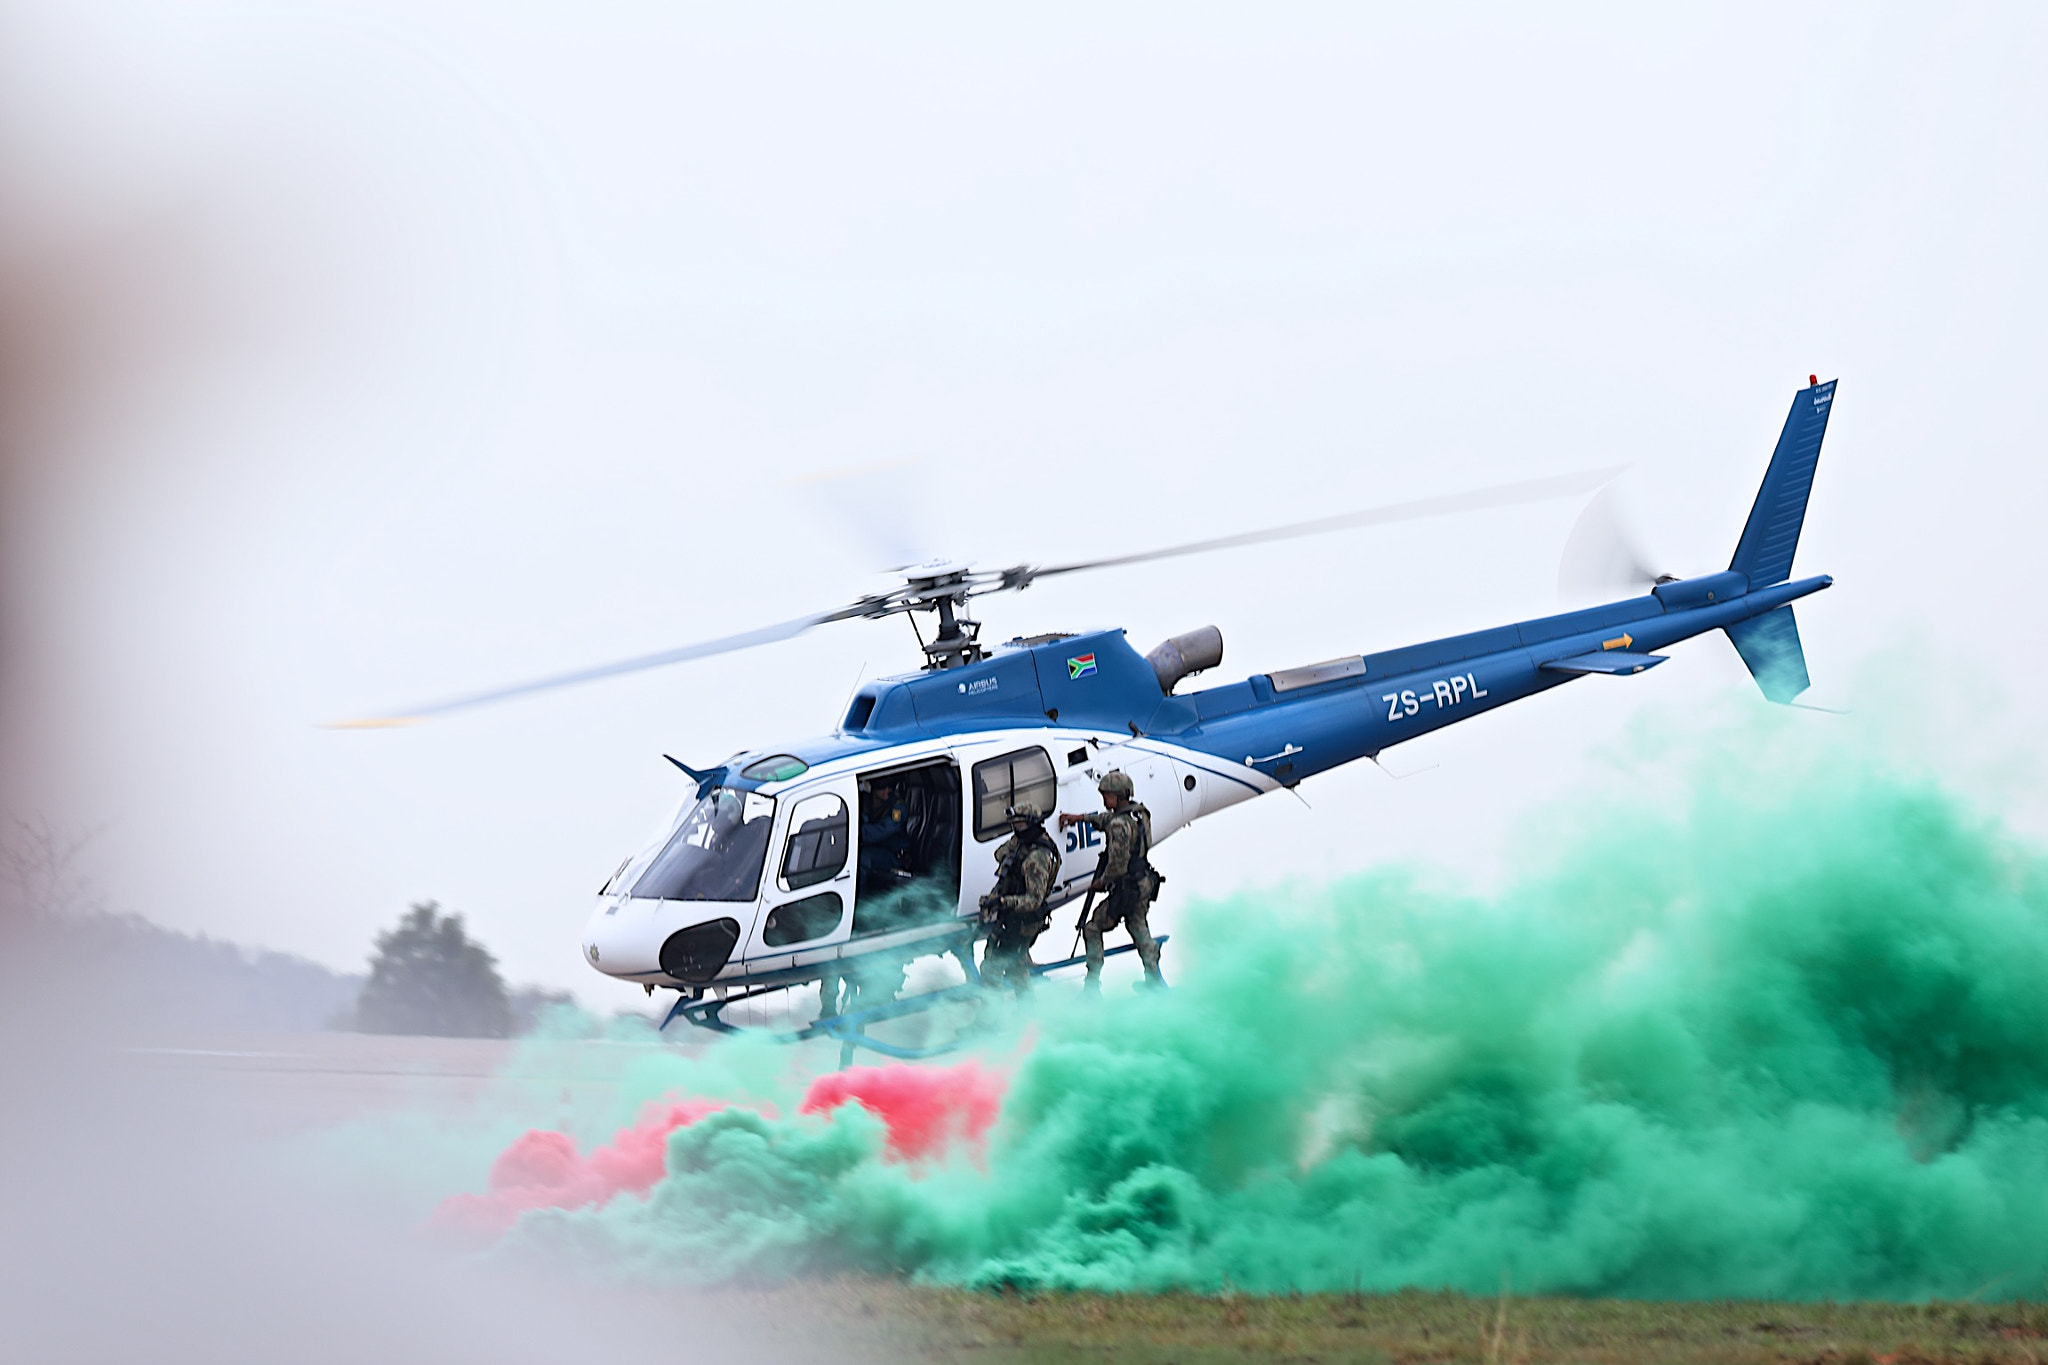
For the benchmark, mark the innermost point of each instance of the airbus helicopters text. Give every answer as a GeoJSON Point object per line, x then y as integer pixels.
{"type": "Point", "coordinates": [766, 878]}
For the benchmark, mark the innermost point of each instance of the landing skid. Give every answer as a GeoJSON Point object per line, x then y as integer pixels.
{"type": "Point", "coordinates": [850, 1028]}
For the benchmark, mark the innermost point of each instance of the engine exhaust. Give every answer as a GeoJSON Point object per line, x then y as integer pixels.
{"type": "Point", "coordinates": [1174, 659]}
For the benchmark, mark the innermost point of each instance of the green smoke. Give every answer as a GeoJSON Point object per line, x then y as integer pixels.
{"type": "Point", "coordinates": [1784, 1035]}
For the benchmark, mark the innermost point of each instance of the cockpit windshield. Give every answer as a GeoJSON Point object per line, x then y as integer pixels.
{"type": "Point", "coordinates": [717, 851]}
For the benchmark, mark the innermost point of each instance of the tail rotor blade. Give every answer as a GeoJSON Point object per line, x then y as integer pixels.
{"type": "Point", "coordinates": [1603, 556]}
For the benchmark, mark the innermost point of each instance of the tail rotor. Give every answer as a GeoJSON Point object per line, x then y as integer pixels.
{"type": "Point", "coordinates": [1604, 556]}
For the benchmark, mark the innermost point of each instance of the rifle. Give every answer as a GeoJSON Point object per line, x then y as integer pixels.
{"type": "Point", "coordinates": [1088, 901]}
{"type": "Point", "coordinates": [1094, 883]}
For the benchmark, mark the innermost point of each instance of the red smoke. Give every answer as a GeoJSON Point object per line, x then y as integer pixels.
{"type": "Point", "coordinates": [925, 1109]}
{"type": "Point", "coordinates": [541, 1170]}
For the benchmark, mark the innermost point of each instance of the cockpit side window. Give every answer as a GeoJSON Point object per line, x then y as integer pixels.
{"type": "Point", "coordinates": [1013, 779]}
{"type": "Point", "coordinates": [816, 851]}
{"type": "Point", "coordinates": [717, 851]}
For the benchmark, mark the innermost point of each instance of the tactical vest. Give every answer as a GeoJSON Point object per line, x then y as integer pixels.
{"type": "Point", "coordinates": [1010, 875]}
{"type": "Point", "coordinates": [1139, 866]}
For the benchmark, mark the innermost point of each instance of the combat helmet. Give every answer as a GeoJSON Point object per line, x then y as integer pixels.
{"type": "Point", "coordinates": [1116, 782]}
{"type": "Point", "coordinates": [1024, 810]}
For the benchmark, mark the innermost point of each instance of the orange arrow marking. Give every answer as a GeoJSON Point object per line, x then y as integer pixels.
{"type": "Point", "coordinates": [1622, 641]}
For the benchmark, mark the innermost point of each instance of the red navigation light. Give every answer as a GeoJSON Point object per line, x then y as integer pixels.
{"type": "Point", "coordinates": [1812, 379]}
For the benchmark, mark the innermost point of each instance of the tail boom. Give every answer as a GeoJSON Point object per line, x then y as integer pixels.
{"type": "Point", "coordinates": [1402, 694]}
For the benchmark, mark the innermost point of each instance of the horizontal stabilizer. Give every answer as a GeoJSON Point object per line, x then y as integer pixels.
{"type": "Point", "coordinates": [1616, 661]}
{"type": "Point", "coordinates": [1769, 644]}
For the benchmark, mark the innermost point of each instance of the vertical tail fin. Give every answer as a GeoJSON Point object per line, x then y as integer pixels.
{"type": "Point", "coordinates": [1764, 554]}
{"type": "Point", "coordinates": [1769, 644]}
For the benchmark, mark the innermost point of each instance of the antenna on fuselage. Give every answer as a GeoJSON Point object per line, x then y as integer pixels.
{"type": "Point", "coordinates": [705, 780]}
{"type": "Point", "coordinates": [1399, 777]}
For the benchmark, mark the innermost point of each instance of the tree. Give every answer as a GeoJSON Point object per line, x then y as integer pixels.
{"type": "Point", "coordinates": [42, 872]}
{"type": "Point", "coordinates": [429, 977]}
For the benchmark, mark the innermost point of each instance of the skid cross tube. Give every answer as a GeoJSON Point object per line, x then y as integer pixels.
{"type": "Point", "coordinates": [1107, 953]}
{"type": "Point", "coordinates": [850, 1028]}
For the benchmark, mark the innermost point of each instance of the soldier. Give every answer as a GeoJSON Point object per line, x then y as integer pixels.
{"type": "Point", "coordinates": [870, 979]}
{"type": "Point", "coordinates": [884, 835]}
{"type": "Point", "coordinates": [1125, 877]}
{"type": "Point", "coordinates": [1027, 865]}
{"type": "Point", "coordinates": [884, 841]}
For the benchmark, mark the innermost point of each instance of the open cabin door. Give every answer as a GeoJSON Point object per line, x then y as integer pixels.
{"type": "Point", "coordinates": [908, 848]}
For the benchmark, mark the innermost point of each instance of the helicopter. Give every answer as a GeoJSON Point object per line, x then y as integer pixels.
{"type": "Point", "coordinates": [765, 880]}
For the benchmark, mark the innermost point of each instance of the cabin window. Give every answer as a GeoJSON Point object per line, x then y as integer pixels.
{"type": "Point", "coordinates": [1014, 779]}
{"type": "Point", "coordinates": [816, 851]}
{"type": "Point", "coordinates": [775, 768]}
{"type": "Point", "coordinates": [716, 853]}
{"type": "Point", "coordinates": [801, 921]}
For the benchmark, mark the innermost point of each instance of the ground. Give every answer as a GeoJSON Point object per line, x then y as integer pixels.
{"type": "Point", "coordinates": [907, 1322]}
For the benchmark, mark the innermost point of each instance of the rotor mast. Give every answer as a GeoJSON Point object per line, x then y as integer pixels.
{"type": "Point", "coordinates": [945, 591]}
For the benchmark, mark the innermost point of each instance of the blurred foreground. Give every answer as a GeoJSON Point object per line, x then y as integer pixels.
{"type": "Point", "coordinates": [168, 1200]}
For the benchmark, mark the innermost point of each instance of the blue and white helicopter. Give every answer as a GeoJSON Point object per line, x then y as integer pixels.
{"type": "Point", "coordinates": [763, 882]}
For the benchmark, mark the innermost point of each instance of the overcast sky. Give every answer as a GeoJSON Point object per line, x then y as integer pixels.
{"type": "Point", "coordinates": [364, 353]}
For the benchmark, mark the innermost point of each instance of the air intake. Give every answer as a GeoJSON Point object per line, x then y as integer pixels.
{"type": "Point", "coordinates": [1174, 659]}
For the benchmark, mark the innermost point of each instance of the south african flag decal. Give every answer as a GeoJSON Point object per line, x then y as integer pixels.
{"type": "Point", "coordinates": [1081, 666]}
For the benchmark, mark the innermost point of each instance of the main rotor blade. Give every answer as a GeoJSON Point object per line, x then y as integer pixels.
{"type": "Point", "coordinates": [880, 507]}
{"type": "Point", "coordinates": [1501, 495]}
{"type": "Point", "coordinates": [725, 644]}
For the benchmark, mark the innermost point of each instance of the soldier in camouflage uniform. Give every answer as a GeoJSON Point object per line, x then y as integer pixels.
{"type": "Point", "coordinates": [1125, 877]}
{"type": "Point", "coordinates": [1027, 865]}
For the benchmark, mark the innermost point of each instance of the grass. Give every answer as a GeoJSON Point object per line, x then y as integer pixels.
{"type": "Point", "coordinates": [889, 1321]}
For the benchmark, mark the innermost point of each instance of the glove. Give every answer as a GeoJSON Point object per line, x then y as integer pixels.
{"type": "Point", "coordinates": [988, 907]}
